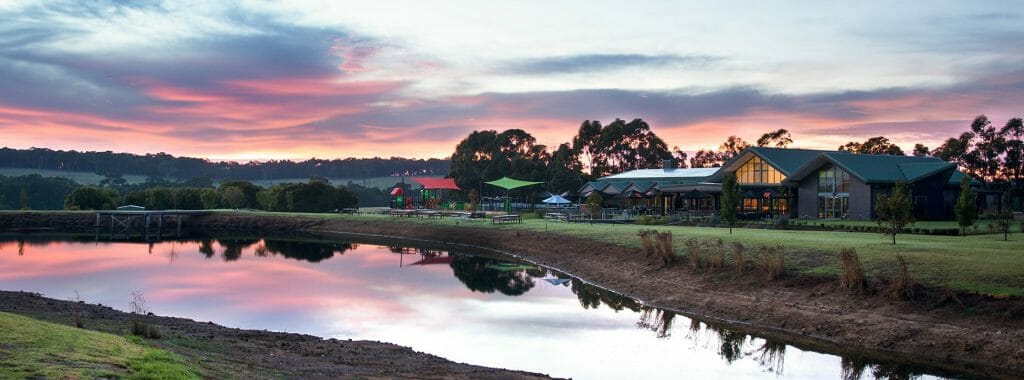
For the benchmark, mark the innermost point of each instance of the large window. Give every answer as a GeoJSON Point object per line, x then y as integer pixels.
{"type": "Point", "coordinates": [757, 171]}
{"type": "Point", "coordinates": [833, 193]}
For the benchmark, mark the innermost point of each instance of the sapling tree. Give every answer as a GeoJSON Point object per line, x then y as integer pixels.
{"type": "Point", "coordinates": [895, 211]}
{"type": "Point", "coordinates": [730, 199]}
{"type": "Point", "coordinates": [966, 208]}
{"type": "Point", "coordinates": [594, 201]}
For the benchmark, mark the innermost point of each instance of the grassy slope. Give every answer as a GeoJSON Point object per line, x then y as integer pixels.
{"type": "Point", "coordinates": [976, 263]}
{"type": "Point", "coordinates": [84, 178]}
{"type": "Point", "coordinates": [34, 349]}
{"type": "Point", "coordinates": [378, 182]}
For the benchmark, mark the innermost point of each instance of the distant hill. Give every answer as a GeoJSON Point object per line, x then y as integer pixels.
{"type": "Point", "coordinates": [91, 167]}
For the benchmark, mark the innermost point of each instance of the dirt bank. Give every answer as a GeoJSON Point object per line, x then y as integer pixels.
{"type": "Point", "coordinates": [222, 352]}
{"type": "Point", "coordinates": [984, 337]}
{"type": "Point", "coordinates": [972, 335]}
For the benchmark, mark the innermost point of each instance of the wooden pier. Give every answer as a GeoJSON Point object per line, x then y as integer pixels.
{"type": "Point", "coordinates": [121, 222]}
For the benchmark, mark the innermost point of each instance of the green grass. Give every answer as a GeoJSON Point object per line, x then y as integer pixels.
{"type": "Point", "coordinates": [31, 348]}
{"type": "Point", "coordinates": [84, 178]}
{"type": "Point", "coordinates": [977, 263]}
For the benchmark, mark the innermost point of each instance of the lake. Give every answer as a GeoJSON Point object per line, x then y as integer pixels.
{"type": "Point", "coordinates": [471, 307]}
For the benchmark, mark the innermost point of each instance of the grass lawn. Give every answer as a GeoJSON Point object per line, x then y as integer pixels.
{"type": "Point", "coordinates": [31, 348]}
{"type": "Point", "coordinates": [976, 263]}
{"type": "Point", "coordinates": [84, 178]}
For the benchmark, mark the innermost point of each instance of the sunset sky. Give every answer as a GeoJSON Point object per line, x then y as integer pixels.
{"type": "Point", "coordinates": [267, 80]}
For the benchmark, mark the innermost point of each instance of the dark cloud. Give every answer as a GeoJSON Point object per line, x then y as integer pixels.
{"type": "Point", "coordinates": [602, 62]}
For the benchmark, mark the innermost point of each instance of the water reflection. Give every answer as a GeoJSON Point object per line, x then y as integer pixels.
{"type": "Point", "coordinates": [494, 311]}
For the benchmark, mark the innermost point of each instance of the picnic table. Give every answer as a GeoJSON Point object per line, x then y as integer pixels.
{"type": "Point", "coordinates": [503, 219]}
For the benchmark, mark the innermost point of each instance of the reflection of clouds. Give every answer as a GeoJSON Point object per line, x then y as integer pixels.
{"type": "Point", "coordinates": [364, 294]}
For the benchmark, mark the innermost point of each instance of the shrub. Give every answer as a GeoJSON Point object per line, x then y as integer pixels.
{"type": "Point", "coordinates": [738, 256]}
{"type": "Point", "coordinates": [138, 307]}
{"type": "Point", "coordinates": [852, 278]}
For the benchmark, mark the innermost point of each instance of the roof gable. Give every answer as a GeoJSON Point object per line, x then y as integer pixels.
{"type": "Point", "coordinates": [876, 168]}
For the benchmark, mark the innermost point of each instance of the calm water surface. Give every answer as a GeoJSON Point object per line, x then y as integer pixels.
{"type": "Point", "coordinates": [464, 307]}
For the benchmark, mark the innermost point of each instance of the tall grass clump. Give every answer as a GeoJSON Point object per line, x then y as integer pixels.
{"type": "Point", "coordinates": [716, 255]}
{"type": "Point", "coordinates": [138, 308]}
{"type": "Point", "coordinates": [901, 286]}
{"type": "Point", "coordinates": [852, 278]}
{"type": "Point", "coordinates": [773, 261]}
{"type": "Point", "coordinates": [693, 250]}
{"type": "Point", "coordinates": [647, 241]}
{"type": "Point", "coordinates": [739, 258]}
{"type": "Point", "coordinates": [666, 249]}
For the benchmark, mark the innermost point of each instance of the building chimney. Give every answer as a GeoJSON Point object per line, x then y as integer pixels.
{"type": "Point", "coordinates": [669, 164]}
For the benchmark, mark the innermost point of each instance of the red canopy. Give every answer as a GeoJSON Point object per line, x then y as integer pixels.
{"type": "Point", "coordinates": [396, 191]}
{"type": "Point", "coordinates": [437, 183]}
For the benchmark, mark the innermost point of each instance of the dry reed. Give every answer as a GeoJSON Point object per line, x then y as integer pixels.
{"type": "Point", "coordinates": [738, 256]}
{"type": "Point", "coordinates": [693, 249]}
{"type": "Point", "coordinates": [902, 286]}
{"type": "Point", "coordinates": [773, 261]}
{"type": "Point", "coordinates": [852, 278]}
{"type": "Point", "coordinates": [647, 241]}
{"type": "Point", "coordinates": [716, 256]}
{"type": "Point", "coordinates": [666, 249]}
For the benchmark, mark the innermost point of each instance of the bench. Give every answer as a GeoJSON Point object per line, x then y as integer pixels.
{"type": "Point", "coordinates": [556, 216]}
{"type": "Point", "coordinates": [352, 211]}
{"type": "Point", "coordinates": [503, 219]}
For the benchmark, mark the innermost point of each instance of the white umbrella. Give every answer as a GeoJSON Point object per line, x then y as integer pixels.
{"type": "Point", "coordinates": [557, 199]}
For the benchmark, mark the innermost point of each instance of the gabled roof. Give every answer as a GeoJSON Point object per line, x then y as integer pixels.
{"type": "Point", "coordinates": [640, 186]}
{"type": "Point", "coordinates": [592, 186]}
{"type": "Point", "coordinates": [876, 168]}
{"type": "Point", "coordinates": [785, 160]}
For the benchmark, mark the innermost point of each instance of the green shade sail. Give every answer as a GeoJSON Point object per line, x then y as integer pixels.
{"type": "Point", "coordinates": [510, 183]}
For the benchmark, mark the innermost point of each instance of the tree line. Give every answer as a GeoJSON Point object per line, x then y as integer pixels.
{"type": "Point", "coordinates": [163, 165]}
{"type": "Point", "coordinates": [985, 152]}
{"type": "Point", "coordinates": [34, 192]}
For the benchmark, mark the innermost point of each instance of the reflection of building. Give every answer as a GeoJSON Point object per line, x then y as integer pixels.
{"type": "Point", "coordinates": [795, 182]}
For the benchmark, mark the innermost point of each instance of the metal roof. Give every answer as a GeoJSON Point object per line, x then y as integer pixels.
{"type": "Point", "coordinates": [661, 174]}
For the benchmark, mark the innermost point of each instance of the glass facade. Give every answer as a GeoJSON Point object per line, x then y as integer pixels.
{"type": "Point", "coordinates": [757, 171]}
{"type": "Point", "coordinates": [833, 193]}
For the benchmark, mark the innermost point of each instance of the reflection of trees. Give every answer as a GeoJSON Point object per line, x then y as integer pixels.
{"type": "Point", "coordinates": [855, 366]}
{"type": "Point", "coordinates": [233, 247]}
{"type": "Point", "coordinates": [307, 251]}
{"type": "Point", "coordinates": [206, 248]}
{"type": "Point", "coordinates": [657, 320]}
{"type": "Point", "coordinates": [591, 297]}
{"type": "Point", "coordinates": [474, 272]}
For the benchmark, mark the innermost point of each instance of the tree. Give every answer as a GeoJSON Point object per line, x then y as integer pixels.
{"type": "Point", "coordinates": [23, 199]}
{"type": "Point", "coordinates": [1004, 217]}
{"type": "Point", "coordinates": [232, 197]}
{"type": "Point", "coordinates": [594, 204]}
{"type": "Point", "coordinates": [565, 172]}
{"type": "Point", "coordinates": [489, 155]}
{"type": "Point", "coordinates": [619, 146]}
{"type": "Point", "coordinates": [780, 138]}
{"type": "Point", "coordinates": [1013, 160]}
{"type": "Point", "coordinates": [91, 198]}
{"type": "Point", "coordinates": [954, 149]}
{"type": "Point", "coordinates": [966, 207]}
{"type": "Point", "coordinates": [730, 199]}
{"type": "Point", "coordinates": [706, 159]}
{"type": "Point", "coordinates": [921, 151]}
{"type": "Point", "coordinates": [474, 198]}
{"type": "Point", "coordinates": [874, 145]}
{"type": "Point", "coordinates": [895, 211]}
{"type": "Point", "coordinates": [731, 147]}
{"type": "Point", "coordinates": [680, 156]}
{"type": "Point", "coordinates": [983, 160]}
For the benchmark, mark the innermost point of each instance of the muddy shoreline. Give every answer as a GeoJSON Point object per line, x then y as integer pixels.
{"type": "Point", "coordinates": [807, 312]}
